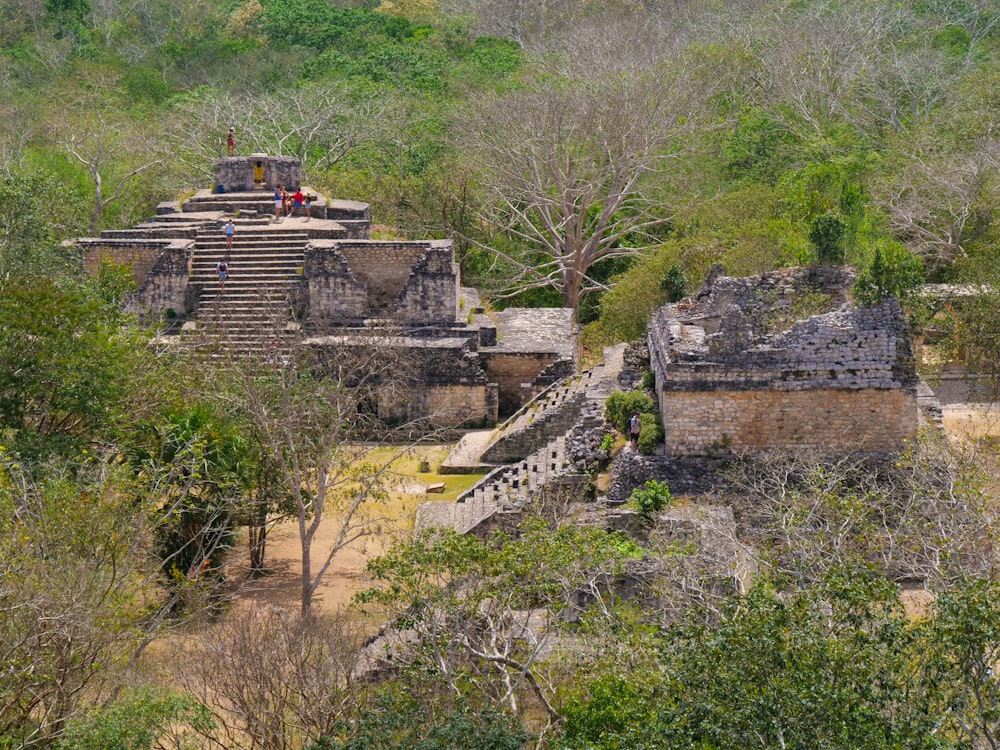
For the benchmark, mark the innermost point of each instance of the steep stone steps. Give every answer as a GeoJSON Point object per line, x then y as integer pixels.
{"type": "Point", "coordinates": [565, 407]}
{"type": "Point", "coordinates": [506, 490]}
{"type": "Point", "coordinates": [253, 309]}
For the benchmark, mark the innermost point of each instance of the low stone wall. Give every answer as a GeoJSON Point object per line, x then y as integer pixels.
{"type": "Point", "coordinates": [684, 477]}
{"type": "Point", "coordinates": [446, 405]}
{"type": "Point", "coordinates": [699, 423]}
{"type": "Point", "coordinates": [140, 255]}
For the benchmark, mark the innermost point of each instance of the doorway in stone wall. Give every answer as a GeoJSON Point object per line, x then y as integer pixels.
{"type": "Point", "coordinates": [258, 173]}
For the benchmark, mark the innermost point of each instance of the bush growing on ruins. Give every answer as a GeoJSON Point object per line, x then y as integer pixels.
{"type": "Point", "coordinates": [621, 406]}
{"type": "Point", "coordinates": [826, 234]}
{"type": "Point", "coordinates": [675, 283]}
{"type": "Point", "coordinates": [651, 498]}
{"type": "Point", "coordinates": [650, 434]}
{"type": "Point", "coordinates": [893, 272]}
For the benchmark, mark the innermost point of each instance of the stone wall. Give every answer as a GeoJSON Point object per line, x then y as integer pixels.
{"type": "Point", "coordinates": [728, 378]}
{"type": "Point", "coordinates": [707, 423]}
{"type": "Point", "coordinates": [383, 267]}
{"type": "Point", "coordinates": [336, 297]}
{"type": "Point", "coordinates": [445, 405]}
{"type": "Point", "coordinates": [160, 271]}
{"type": "Point", "coordinates": [865, 347]}
{"type": "Point", "coordinates": [235, 173]}
{"type": "Point", "coordinates": [546, 426]}
{"type": "Point", "coordinates": [510, 369]}
{"type": "Point", "coordinates": [166, 285]}
{"type": "Point", "coordinates": [430, 296]}
{"type": "Point", "coordinates": [686, 476]}
{"type": "Point", "coordinates": [413, 283]}
{"type": "Point", "coordinates": [139, 255]}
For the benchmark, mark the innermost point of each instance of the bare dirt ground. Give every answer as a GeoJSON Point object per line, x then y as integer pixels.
{"type": "Point", "coordinates": [282, 586]}
{"type": "Point", "coordinates": [972, 420]}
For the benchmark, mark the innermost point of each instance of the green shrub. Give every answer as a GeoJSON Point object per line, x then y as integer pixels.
{"type": "Point", "coordinates": [893, 272]}
{"type": "Point", "coordinates": [827, 234]}
{"type": "Point", "coordinates": [651, 498]}
{"type": "Point", "coordinates": [621, 406]}
{"type": "Point", "coordinates": [675, 283]}
{"type": "Point", "coordinates": [650, 434]}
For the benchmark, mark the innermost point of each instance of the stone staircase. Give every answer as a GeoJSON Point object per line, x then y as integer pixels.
{"type": "Point", "coordinates": [545, 423]}
{"type": "Point", "coordinates": [254, 308]}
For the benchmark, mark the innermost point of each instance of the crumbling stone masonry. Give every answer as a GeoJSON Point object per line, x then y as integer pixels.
{"type": "Point", "coordinates": [727, 381]}
{"type": "Point", "coordinates": [318, 281]}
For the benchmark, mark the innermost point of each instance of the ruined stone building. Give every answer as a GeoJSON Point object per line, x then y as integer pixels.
{"type": "Point", "coordinates": [319, 280]}
{"type": "Point", "coordinates": [782, 361]}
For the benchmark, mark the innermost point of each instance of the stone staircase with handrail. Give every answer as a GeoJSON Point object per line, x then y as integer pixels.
{"type": "Point", "coordinates": [510, 488]}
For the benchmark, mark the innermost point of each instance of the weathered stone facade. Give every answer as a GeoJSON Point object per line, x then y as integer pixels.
{"type": "Point", "coordinates": [727, 381]}
{"type": "Point", "coordinates": [319, 281]}
{"type": "Point", "coordinates": [410, 283]}
{"type": "Point", "coordinates": [237, 174]}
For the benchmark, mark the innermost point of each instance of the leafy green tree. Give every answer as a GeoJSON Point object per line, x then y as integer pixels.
{"type": "Point", "coordinates": [830, 667]}
{"type": "Point", "coordinates": [826, 233]}
{"type": "Point", "coordinates": [64, 365]}
{"type": "Point", "coordinates": [962, 641]}
{"type": "Point", "coordinates": [203, 467]}
{"type": "Point", "coordinates": [474, 617]}
{"type": "Point", "coordinates": [620, 407]}
{"type": "Point", "coordinates": [137, 721]}
{"type": "Point", "coordinates": [77, 594]}
{"type": "Point", "coordinates": [30, 226]}
{"type": "Point", "coordinates": [651, 498]}
{"type": "Point", "coordinates": [397, 720]}
{"type": "Point", "coordinates": [893, 272]}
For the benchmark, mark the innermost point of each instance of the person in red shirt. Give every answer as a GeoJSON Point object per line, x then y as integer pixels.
{"type": "Point", "coordinates": [297, 201]}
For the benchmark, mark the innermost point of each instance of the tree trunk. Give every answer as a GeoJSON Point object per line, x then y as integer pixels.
{"type": "Point", "coordinates": [307, 589]}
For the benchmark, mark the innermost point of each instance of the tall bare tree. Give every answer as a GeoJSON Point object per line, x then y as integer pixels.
{"type": "Point", "coordinates": [111, 156]}
{"type": "Point", "coordinates": [317, 418]}
{"type": "Point", "coordinates": [567, 168]}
